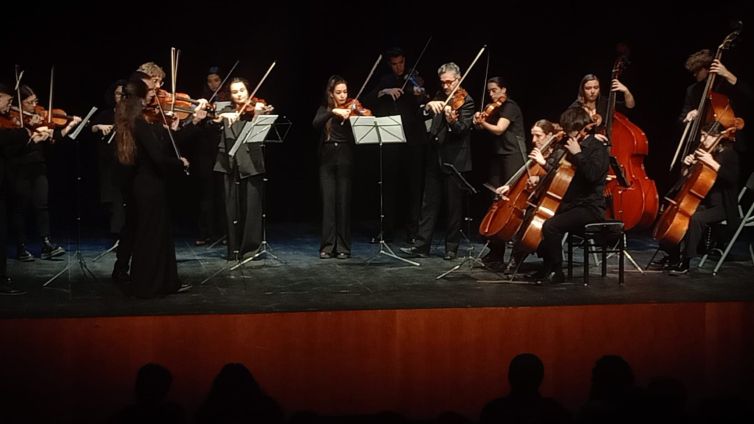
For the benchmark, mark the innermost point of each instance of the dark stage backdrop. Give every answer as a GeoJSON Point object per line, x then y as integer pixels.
{"type": "Point", "coordinates": [543, 50]}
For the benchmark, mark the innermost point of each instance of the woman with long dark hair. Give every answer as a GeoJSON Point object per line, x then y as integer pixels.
{"type": "Point", "coordinates": [139, 144]}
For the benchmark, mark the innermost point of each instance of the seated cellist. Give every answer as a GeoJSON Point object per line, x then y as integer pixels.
{"type": "Point", "coordinates": [719, 204]}
{"type": "Point", "coordinates": [584, 201]}
{"type": "Point", "coordinates": [542, 131]}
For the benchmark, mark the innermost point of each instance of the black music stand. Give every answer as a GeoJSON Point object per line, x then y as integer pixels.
{"type": "Point", "coordinates": [85, 271]}
{"type": "Point", "coordinates": [470, 258]}
{"type": "Point", "coordinates": [380, 130]}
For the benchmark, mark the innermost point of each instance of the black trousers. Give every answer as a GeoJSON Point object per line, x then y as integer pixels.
{"type": "Point", "coordinates": [439, 187]}
{"type": "Point", "coordinates": [704, 216]}
{"type": "Point", "coordinates": [30, 187]}
{"type": "Point", "coordinates": [572, 220]}
{"type": "Point", "coordinates": [243, 212]}
{"type": "Point", "coordinates": [335, 183]}
{"type": "Point", "coordinates": [403, 180]}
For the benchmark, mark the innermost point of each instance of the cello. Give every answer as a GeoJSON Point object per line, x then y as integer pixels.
{"type": "Point", "coordinates": [696, 183]}
{"type": "Point", "coordinates": [633, 195]}
{"type": "Point", "coordinates": [506, 214]}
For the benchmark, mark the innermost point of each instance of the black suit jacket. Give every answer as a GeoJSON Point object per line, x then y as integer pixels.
{"type": "Point", "coordinates": [451, 143]}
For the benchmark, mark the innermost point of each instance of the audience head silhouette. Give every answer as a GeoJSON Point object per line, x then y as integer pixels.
{"type": "Point", "coordinates": [152, 383]}
{"type": "Point", "coordinates": [525, 373]}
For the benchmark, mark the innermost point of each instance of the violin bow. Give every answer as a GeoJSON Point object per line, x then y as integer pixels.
{"type": "Point", "coordinates": [49, 101]}
{"type": "Point", "coordinates": [259, 84]}
{"type": "Point", "coordinates": [222, 84]}
{"type": "Point", "coordinates": [484, 83]}
{"type": "Point", "coordinates": [418, 59]}
{"type": "Point", "coordinates": [468, 70]}
{"type": "Point", "coordinates": [174, 54]}
{"type": "Point", "coordinates": [170, 134]}
{"type": "Point", "coordinates": [361, 90]}
{"type": "Point", "coordinates": [19, 75]}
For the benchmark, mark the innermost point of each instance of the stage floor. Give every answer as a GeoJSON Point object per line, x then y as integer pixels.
{"type": "Point", "coordinates": [303, 282]}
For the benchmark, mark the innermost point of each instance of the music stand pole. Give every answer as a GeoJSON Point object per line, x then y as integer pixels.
{"type": "Point", "coordinates": [384, 247]}
{"type": "Point", "coordinates": [86, 272]}
{"type": "Point", "coordinates": [264, 247]}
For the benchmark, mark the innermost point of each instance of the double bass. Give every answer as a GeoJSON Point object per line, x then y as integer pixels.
{"type": "Point", "coordinates": [632, 194]}
{"type": "Point", "coordinates": [695, 184]}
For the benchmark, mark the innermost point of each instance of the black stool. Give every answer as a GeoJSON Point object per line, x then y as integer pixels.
{"type": "Point", "coordinates": [606, 237]}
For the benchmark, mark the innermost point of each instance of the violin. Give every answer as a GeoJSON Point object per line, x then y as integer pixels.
{"type": "Point", "coordinates": [58, 118]}
{"type": "Point", "coordinates": [356, 108]}
{"type": "Point", "coordinates": [492, 107]}
{"type": "Point", "coordinates": [458, 99]}
{"type": "Point", "coordinates": [254, 105]}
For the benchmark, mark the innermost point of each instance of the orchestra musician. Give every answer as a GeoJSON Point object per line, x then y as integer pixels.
{"type": "Point", "coordinates": [503, 120]}
{"type": "Point", "coordinates": [450, 144]}
{"type": "Point", "coordinates": [28, 179]}
{"type": "Point", "coordinates": [583, 202]}
{"type": "Point", "coordinates": [12, 138]}
{"type": "Point", "coordinates": [243, 172]}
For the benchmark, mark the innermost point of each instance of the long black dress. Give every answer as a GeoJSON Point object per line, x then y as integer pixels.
{"type": "Point", "coordinates": [154, 271]}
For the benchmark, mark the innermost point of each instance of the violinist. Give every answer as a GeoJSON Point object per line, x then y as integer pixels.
{"type": "Point", "coordinates": [403, 179]}
{"type": "Point", "coordinates": [12, 137]}
{"type": "Point", "coordinates": [210, 184]}
{"type": "Point", "coordinates": [243, 172]}
{"type": "Point", "coordinates": [109, 189]}
{"type": "Point", "coordinates": [721, 203]}
{"type": "Point", "coordinates": [153, 269]}
{"type": "Point", "coordinates": [503, 121]}
{"type": "Point", "coordinates": [450, 143]}
{"type": "Point", "coordinates": [28, 179]}
{"type": "Point", "coordinates": [590, 99]}
{"type": "Point", "coordinates": [335, 168]}
{"type": "Point", "coordinates": [584, 201]}
{"type": "Point", "coordinates": [155, 72]}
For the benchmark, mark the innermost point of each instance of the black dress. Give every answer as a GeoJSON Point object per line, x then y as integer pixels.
{"type": "Point", "coordinates": [153, 266]}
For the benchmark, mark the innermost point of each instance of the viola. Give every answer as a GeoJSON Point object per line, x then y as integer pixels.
{"type": "Point", "coordinates": [43, 119]}
{"type": "Point", "coordinates": [506, 214]}
{"type": "Point", "coordinates": [674, 221]}
{"type": "Point", "coordinates": [633, 196]}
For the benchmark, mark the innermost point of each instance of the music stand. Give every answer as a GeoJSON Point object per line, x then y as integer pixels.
{"type": "Point", "coordinates": [380, 130]}
{"type": "Point", "coordinates": [470, 258]}
{"type": "Point", "coordinates": [85, 271]}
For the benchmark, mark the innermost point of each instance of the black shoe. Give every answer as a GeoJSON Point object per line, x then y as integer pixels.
{"type": "Point", "coordinates": [450, 255]}
{"type": "Point", "coordinates": [50, 250]}
{"type": "Point", "coordinates": [183, 288]}
{"type": "Point", "coordinates": [6, 289]}
{"type": "Point", "coordinates": [24, 255]}
{"type": "Point", "coordinates": [680, 268]}
{"type": "Point", "coordinates": [411, 240]}
{"type": "Point", "coordinates": [342, 255]}
{"type": "Point", "coordinates": [551, 277]}
{"type": "Point", "coordinates": [492, 257]}
{"type": "Point", "coordinates": [415, 252]}
{"type": "Point", "coordinates": [512, 266]}
{"type": "Point", "coordinates": [325, 255]}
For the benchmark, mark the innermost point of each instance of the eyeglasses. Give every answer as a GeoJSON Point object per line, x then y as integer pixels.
{"type": "Point", "coordinates": [33, 101]}
{"type": "Point", "coordinates": [448, 82]}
